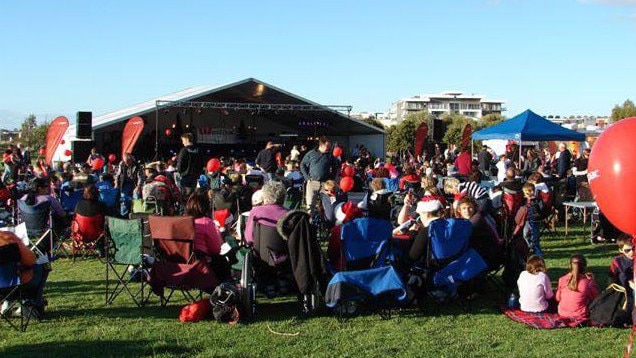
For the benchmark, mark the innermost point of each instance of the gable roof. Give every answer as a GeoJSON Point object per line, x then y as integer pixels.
{"type": "Point", "coordinates": [249, 90]}
{"type": "Point", "coordinates": [528, 126]}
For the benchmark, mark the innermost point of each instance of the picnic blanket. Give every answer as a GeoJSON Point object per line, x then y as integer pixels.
{"type": "Point", "coordinates": [542, 320]}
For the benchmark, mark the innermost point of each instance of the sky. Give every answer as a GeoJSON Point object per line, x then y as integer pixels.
{"type": "Point", "coordinates": [556, 57]}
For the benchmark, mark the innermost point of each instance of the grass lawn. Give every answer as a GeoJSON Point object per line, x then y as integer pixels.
{"type": "Point", "coordinates": [80, 325]}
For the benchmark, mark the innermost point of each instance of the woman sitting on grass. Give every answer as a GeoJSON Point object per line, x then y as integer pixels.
{"type": "Point", "coordinates": [535, 289]}
{"type": "Point", "coordinates": [576, 290]}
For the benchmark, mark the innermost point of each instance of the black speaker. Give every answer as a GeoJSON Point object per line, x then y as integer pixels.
{"type": "Point", "coordinates": [84, 125]}
{"type": "Point", "coordinates": [439, 129]}
{"type": "Point", "coordinates": [81, 150]}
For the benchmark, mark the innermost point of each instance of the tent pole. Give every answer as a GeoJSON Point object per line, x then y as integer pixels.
{"type": "Point", "coordinates": [156, 131]}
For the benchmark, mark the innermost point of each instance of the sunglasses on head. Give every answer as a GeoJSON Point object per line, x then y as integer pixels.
{"type": "Point", "coordinates": [630, 249]}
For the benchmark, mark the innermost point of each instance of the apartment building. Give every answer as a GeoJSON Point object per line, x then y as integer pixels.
{"type": "Point", "coordinates": [470, 105]}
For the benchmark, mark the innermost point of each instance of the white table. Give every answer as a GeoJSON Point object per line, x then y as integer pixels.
{"type": "Point", "coordinates": [581, 205]}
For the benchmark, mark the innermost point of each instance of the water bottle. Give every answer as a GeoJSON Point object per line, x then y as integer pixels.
{"type": "Point", "coordinates": [512, 301]}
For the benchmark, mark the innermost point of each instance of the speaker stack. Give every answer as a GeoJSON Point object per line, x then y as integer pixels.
{"type": "Point", "coordinates": [84, 132]}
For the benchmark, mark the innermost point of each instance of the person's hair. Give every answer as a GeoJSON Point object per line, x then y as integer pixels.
{"type": "Point", "coordinates": [510, 173]}
{"type": "Point", "coordinates": [329, 185]}
{"type": "Point", "coordinates": [429, 181]}
{"type": "Point", "coordinates": [622, 241]}
{"type": "Point", "coordinates": [450, 185]}
{"type": "Point", "coordinates": [535, 264]}
{"type": "Point", "coordinates": [34, 188]}
{"type": "Point", "coordinates": [382, 173]}
{"type": "Point", "coordinates": [535, 178]}
{"type": "Point", "coordinates": [528, 189]}
{"type": "Point", "coordinates": [274, 193]}
{"type": "Point", "coordinates": [409, 169]}
{"type": "Point", "coordinates": [377, 184]}
{"type": "Point", "coordinates": [467, 200]}
{"type": "Point", "coordinates": [322, 140]}
{"type": "Point", "coordinates": [475, 177]}
{"type": "Point", "coordinates": [433, 190]}
{"type": "Point", "coordinates": [90, 192]}
{"type": "Point", "coordinates": [578, 266]}
{"type": "Point", "coordinates": [188, 136]}
{"type": "Point", "coordinates": [198, 204]}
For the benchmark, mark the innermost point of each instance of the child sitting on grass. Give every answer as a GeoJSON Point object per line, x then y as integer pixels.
{"type": "Point", "coordinates": [576, 290]}
{"type": "Point", "coordinates": [621, 268]}
{"type": "Point", "coordinates": [535, 289]}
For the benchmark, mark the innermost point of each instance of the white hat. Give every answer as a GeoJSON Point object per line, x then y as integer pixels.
{"type": "Point", "coordinates": [428, 204]}
{"type": "Point", "coordinates": [257, 197]}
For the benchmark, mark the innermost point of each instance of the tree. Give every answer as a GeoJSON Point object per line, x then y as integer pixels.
{"type": "Point", "coordinates": [27, 128]}
{"type": "Point", "coordinates": [455, 124]}
{"type": "Point", "coordinates": [39, 136]}
{"type": "Point", "coordinates": [491, 119]}
{"type": "Point", "coordinates": [401, 137]}
{"type": "Point", "coordinates": [373, 122]}
{"type": "Point", "coordinates": [625, 111]}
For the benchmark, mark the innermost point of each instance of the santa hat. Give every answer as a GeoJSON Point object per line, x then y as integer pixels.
{"type": "Point", "coordinates": [429, 204]}
{"type": "Point", "coordinates": [347, 211]}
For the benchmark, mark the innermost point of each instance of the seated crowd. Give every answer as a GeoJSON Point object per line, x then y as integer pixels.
{"type": "Point", "coordinates": [422, 198]}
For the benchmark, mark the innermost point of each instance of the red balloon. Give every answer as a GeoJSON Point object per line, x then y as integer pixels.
{"type": "Point", "coordinates": [213, 165]}
{"type": "Point", "coordinates": [112, 158]}
{"type": "Point", "coordinates": [346, 184]}
{"type": "Point", "coordinates": [168, 132]}
{"type": "Point", "coordinates": [610, 169]}
{"type": "Point", "coordinates": [97, 164]}
{"type": "Point", "coordinates": [68, 152]}
{"type": "Point", "coordinates": [348, 171]}
{"type": "Point", "coordinates": [42, 152]}
{"type": "Point", "coordinates": [337, 151]}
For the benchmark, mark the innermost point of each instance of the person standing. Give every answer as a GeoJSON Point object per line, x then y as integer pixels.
{"type": "Point", "coordinates": [188, 165]}
{"type": "Point", "coordinates": [317, 166]}
{"type": "Point", "coordinates": [463, 163]}
{"type": "Point", "coordinates": [266, 160]}
{"type": "Point", "coordinates": [128, 180]}
{"type": "Point", "coordinates": [484, 158]}
{"type": "Point", "coordinates": [564, 161]}
{"type": "Point", "coordinates": [94, 156]}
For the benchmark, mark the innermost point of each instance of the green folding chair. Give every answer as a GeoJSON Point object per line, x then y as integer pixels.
{"type": "Point", "coordinates": [124, 249]}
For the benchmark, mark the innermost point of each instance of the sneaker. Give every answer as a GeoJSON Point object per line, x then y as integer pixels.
{"type": "Point", "coordinates": [5, 308]}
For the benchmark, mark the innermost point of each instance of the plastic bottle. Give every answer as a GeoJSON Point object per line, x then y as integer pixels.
{"type": "Point", "coordinates": [512, 301]}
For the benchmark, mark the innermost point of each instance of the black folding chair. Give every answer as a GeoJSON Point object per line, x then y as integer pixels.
{"type": "Point", "coordinates": [11, 287]}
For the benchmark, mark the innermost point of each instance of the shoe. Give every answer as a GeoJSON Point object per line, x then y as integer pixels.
{"type": "Point", "coordinates": [5, 308]}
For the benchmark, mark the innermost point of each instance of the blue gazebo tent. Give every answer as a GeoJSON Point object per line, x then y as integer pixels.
{"type": "Point", "coordinates": [528, 126]}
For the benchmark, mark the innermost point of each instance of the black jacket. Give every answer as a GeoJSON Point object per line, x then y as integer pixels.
{"type": "Point", "coordinates": [189, 162]}
{"type": "Point", "coordinates": [304, 252]}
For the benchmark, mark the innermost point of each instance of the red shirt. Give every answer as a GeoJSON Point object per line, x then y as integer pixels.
{"type": "Point", "coordinates": [463, 163]}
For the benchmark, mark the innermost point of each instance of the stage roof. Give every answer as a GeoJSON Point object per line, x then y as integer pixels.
{"type": "Point", "coordinates": [248, 91]}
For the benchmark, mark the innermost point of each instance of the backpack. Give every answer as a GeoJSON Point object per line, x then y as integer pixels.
{"type": "Point", "coordinates": [610, 308]}
{"type": "Point", "coordinates": [225, 302]}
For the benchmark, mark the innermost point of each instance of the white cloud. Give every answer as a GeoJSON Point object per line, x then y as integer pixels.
{"type": "Point", "coordinates": [612, 2]}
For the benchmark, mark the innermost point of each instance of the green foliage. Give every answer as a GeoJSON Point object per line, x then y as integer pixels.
{"type": "Point", "coordinates": [625, 111]}
{"type": "Point", "coordinates": [79, 324]}
{"type": "Point", "coordinates": [32, 134]}
{"type": "Point", "coordinates": [491, 119]}
{"type": "Point", "coordinates": [455, 124]}
{"type": "Point", "coordinates": [402, 136]}
{"type": "Point", "coordinates": [374, 122]}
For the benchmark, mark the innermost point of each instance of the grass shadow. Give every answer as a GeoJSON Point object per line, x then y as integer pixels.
{"type": "Point", "coordinates": [100, 349]}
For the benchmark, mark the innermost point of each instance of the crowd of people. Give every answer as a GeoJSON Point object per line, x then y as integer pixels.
{"type": "Point", "coordinates": [410, 192]}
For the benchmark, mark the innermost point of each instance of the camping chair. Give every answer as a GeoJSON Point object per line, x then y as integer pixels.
{"type": "Point", "coordinates": [510, 205]}
{"type": "Point", "coordinates": [272, 268]}
{"type": "Point", "coordinates": [369, 282]}
{"type": "Point", "coordinates": [449, 261]}
{"type": "Point", "coordinates": [176, 267]}
{"type": "Point", "coordinates": [365, 243]}
{"type": "Point", "coordinates": [11, 287]}
{"type": "Point", "coordinates": [86, 232]}
{"type": "Point", "coordinates": [254, 181]}
{"type": "Point", "coordinates": [37, 219]}
{"type": "Point", "coordinates": [123, 251]}
{"type": "Point", "coordinates": [110, 198]}
{"type": "Point", "coordinates": [550, 213]}
{"type": "Point", "coordinates": [69, 199]}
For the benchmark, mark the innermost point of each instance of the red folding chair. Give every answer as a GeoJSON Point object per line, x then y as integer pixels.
{"type": "Point", "coordinates": [86, 232]}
